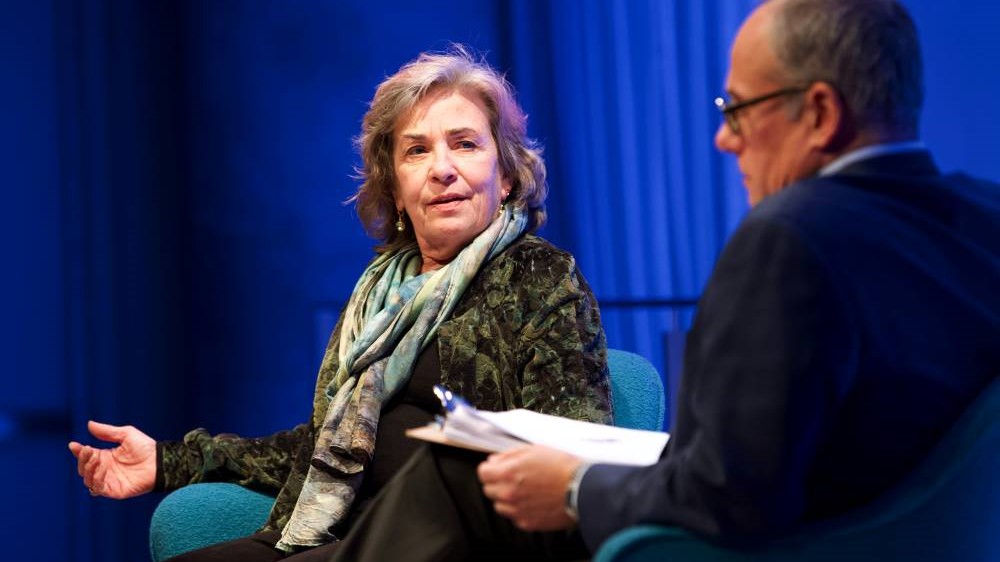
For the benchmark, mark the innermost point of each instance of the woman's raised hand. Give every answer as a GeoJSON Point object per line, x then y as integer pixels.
{"type": "Point", "coordinates": [124, 471]}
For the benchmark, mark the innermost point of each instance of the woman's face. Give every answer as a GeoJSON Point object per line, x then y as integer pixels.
{"type": "Point", "coordinates": [447, 176]}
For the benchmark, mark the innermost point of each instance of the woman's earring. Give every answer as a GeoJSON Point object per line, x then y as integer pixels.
{"type": "Point", "coordinates": [400, 225]}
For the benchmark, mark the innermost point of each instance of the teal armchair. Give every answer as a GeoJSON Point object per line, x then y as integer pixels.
{"type": "Point", "coordinates": [199, 515]}
{"type": "Point", "coordinates": [948, 508]}
{"type": "Point", "coordinates": [203, 514]}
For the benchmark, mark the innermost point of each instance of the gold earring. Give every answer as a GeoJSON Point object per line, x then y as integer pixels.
{"type": "Point", "coordinates": [400, 225]}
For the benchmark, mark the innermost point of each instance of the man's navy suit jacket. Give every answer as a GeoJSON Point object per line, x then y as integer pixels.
{"type": "Point", "coordinates": [847, 323]}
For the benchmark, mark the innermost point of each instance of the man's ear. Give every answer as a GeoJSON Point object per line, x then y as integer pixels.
{"type": "Point", "coordinates": [831, 122]}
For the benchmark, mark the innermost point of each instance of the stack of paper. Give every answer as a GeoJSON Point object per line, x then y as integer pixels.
{"type": "Point", "coordinates": [466, 427]}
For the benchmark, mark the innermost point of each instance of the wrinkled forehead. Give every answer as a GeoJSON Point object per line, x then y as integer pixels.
{"type": "Point", "coordinates": [420, 108]}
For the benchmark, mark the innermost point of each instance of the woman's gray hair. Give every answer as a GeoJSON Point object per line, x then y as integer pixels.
{"type": "Point", "coordinates": [519, 157]}
{"type": "Point", "coordinates": [867, 49]}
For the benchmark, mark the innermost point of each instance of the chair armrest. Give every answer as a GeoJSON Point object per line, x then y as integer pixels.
{"type": "Point", "coordinates": [199, 515]}
{"type": "Point", "coordinates": [656, 543]}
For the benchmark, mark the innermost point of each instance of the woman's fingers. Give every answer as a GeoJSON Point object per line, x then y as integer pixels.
{"type": "Point", "coordinates": [107, 432]}
{"type": "Point", "coordinates": [90, 468]}
{"type": "Point", "coordinates": [99, 483]}
{"type": "Point", "coordinates": [83, 454]}
{"type": "Point", "coordinates": [124, 470]}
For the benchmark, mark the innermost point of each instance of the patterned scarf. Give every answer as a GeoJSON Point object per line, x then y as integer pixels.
{"type": "Point", "coordinates": [392, 315]}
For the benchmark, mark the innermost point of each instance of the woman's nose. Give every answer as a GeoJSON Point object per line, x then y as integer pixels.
{"type": "Point", "coordinates": [443, 168]}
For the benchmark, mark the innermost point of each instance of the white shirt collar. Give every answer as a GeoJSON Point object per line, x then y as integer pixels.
{"type": "Point", "coordinates": [870, 151]}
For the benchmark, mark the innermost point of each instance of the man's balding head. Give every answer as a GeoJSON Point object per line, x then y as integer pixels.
{"type": "Point", "coordinates": [817, 79]}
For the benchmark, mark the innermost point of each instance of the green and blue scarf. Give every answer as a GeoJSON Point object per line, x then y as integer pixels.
{"type": "Point", "coordinates": [393, 313]}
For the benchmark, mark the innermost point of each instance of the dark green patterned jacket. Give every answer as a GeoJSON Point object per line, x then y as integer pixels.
{"type": "Point", "coordinates": [526, 334]}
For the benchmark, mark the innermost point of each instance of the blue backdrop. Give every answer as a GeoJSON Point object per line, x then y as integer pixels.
{"type": "Point", "coordinates": [175, 239]}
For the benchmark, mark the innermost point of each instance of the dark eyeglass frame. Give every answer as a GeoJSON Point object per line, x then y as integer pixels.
{"type": "Point", "coordinates": [729, 109]}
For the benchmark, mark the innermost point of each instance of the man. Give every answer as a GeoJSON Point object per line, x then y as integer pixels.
{"type": "Point", "coordinates": [850, 319]}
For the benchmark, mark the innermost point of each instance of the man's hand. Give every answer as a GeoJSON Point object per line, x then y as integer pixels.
{"type": "Point", "coordinates": [528, 485]}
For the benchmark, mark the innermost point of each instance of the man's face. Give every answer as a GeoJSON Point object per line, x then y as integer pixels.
{"type": "Point", "coordinates": [771, 147]}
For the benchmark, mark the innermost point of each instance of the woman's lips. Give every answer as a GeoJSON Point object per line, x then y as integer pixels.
{"type": "Point", "coordinates": [447, 202]}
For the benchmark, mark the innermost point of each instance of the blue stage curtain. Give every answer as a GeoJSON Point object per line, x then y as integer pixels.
{"type": "Point", "coordinates": [639, 193]}
{"type": "Point", "coordinates": [121, 340]}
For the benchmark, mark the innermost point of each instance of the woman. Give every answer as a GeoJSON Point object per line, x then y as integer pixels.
{"type": "Point", "coordinates": [460, 293]}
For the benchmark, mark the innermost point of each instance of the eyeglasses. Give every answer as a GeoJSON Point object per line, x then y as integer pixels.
{"type": "Point", "coordinates": [729, 109]}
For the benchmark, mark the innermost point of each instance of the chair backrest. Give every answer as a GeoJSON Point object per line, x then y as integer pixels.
{"type": "Point", "coordinates": [948, 508]}
{"type": "Point", "coordinates": [637, 392]}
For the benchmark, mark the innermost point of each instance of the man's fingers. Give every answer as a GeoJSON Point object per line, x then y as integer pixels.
{"type": "Point", "coordinates": [498, 466]}
{"type": "Point", "coordinates": [487, 470]}
{"type": "Point", "coordinates": [505, 509]}
{"type": "Point", "coordinates": [499, 492]}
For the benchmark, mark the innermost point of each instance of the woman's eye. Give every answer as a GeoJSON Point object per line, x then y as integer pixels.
{"type": "Point", "coordinates": [415, 150]}
{"type": "Point", "coordinates": [466, 144]}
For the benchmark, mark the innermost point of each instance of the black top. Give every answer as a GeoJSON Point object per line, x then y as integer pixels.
{"type": "Point", "coordinates": [414, 405]}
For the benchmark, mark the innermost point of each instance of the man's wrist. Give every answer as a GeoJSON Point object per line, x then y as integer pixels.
{"type": "Point", "coordinates": [573, 492]}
